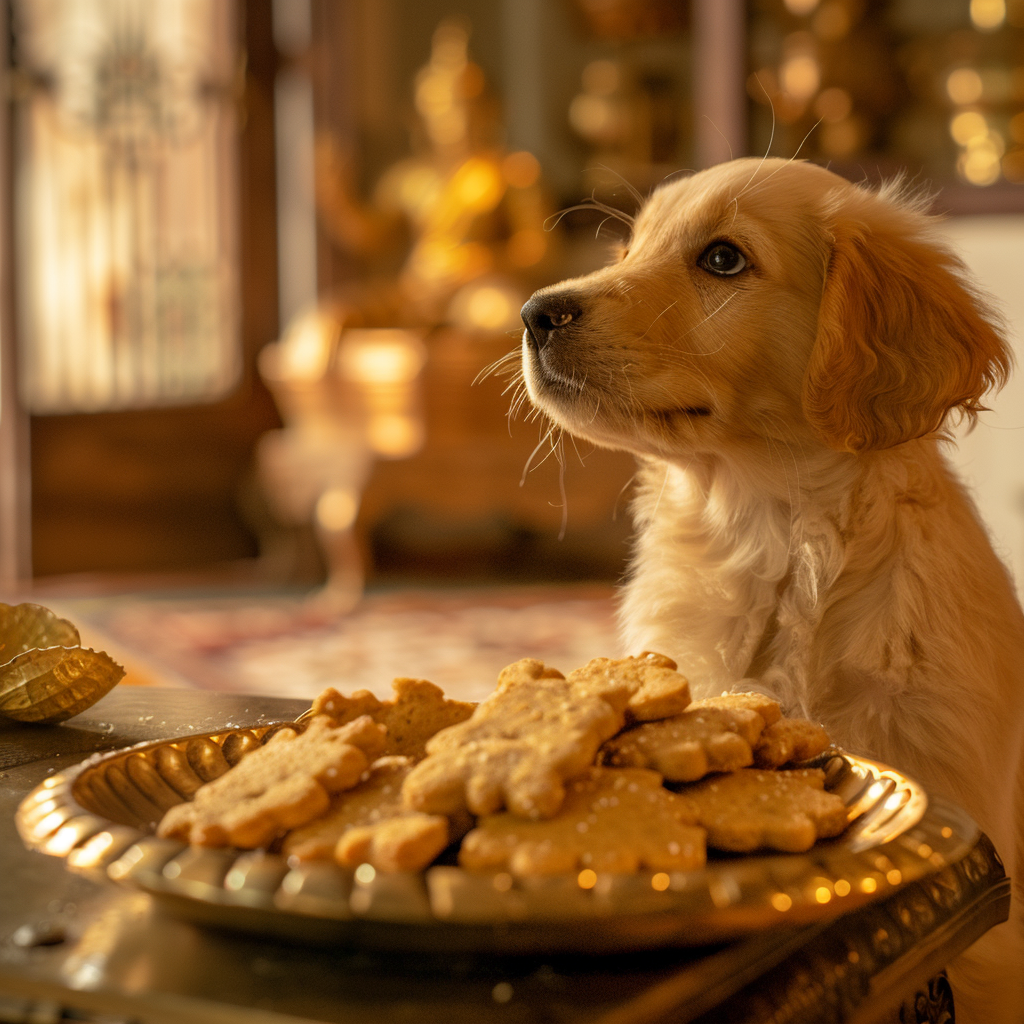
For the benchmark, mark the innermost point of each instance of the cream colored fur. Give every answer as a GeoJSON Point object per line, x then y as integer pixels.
{"type": "Point", "coordinates": [797, 522]}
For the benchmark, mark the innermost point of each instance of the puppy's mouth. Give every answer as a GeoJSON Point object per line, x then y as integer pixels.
{"type": "Point", "coordinates": [691, 411]}
{"type": "Point", "coordinates": [584, 402]}
{"type": "Point", "coordinates": [556, 372]}
{"type": "Point", "coordinates": [552, 370]}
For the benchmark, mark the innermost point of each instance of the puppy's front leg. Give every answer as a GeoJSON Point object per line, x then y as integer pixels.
{"type": "Point", "coordinates": [713, 646]}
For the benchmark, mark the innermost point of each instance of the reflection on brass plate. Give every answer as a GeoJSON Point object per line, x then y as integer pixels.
{"type": "Point", "coordinates": [100, 816]}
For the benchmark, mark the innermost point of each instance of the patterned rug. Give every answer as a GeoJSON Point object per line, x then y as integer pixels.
{"type": "Point", "coordinates": [282, 646]}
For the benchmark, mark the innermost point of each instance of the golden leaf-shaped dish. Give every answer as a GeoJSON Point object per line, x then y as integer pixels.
{"type": "Point", "coordinates": [46, 675]}
{"type": "Point", "coordinates": [100, 816]}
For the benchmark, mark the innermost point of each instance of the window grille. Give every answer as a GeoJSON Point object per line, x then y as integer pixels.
{"type": "Point", "coordinates": [125, 203]}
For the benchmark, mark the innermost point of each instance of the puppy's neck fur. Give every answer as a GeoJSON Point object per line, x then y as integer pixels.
{"type": "Point", "coordinates": [720, 543]}
{"type": "Point", "coordinates": [812, 586]}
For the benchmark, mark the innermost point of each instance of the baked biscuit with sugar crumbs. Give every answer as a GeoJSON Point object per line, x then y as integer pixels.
{"type": "Point", "coordinates": [780, 810]}
{"type": "Point", "coordinates": [768, 709]}
{"type": "Point", "coordinates": [656, 689]}
{"type": "Point", "coordinates": [521, 744]}
{"type": "Point", "coordinates": [418, 710]}
{"type": "Point", "coordinates": [369, 824]}
{"type": "Point", "coordinates": [790, 739]}
{"type": "Point", "coordinates": [613, 819]}
{"type": "Point", "coordinates": [279, 786]}
{"type": "Point", "coordinates": [687, 747]}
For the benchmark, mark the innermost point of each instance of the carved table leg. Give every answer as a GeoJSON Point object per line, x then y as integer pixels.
{"type": "Point", "coordinates": [933, 1005]}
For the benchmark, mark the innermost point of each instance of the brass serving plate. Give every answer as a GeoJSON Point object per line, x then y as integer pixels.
{"type": "Point", "coordinates": [100, 816]}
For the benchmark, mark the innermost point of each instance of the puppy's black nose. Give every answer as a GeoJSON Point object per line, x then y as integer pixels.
{"type": "Point", "coordinates": [545, 314]}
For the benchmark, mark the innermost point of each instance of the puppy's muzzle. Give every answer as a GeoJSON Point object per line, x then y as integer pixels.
{"type": "Point", "coordinates": [548, 316]}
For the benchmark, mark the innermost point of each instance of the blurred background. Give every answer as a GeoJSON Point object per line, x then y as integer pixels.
{"type": "Point", "coordinates": [261, 260]}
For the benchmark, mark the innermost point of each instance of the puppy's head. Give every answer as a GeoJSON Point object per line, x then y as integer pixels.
{"type": "Point", "coordinates": [763, 300]}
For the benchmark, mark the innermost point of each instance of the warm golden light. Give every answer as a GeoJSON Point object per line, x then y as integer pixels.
{"type": "Point", "coordinates": [478, 185]}
{"type": "Point", "coordinates": [1013, 165]}
{"type": "Point", "coordinates": [527, 247]}
{"type": "Point", "coordinates": [894, 877]}
{"type": "Point", "coordinates": [489, 308]}
{"type": "Point", "coordinates": [800, 76]}
{"type": "Point", "coordinates": [823, 894]}
{"type": "Point", "coordinates": [62, 841]}
{"type": "Point", "coordinates": [968, 125]}
{"type": "Point", "coordinates": [395, 435]}
{"type": "Point", "coordinates": [801, 7]}
{"type": "Point", "coordinates": [593, 116]}
{"type": "Point", "coordinates": [91, 852]}
{"type": "Point", "coordinates": [980, 164]}
{"type": "Point", "coordinates": [415, 190]}
{"type": "Point", "coordinates": [842, 887]}
{"type": "Point", "coordinates": [781, 902]}
{"type": "Point", "coordinates": [988, 15]}
{"type": "Point", "coordinates": [234, 879]}
{"type": "Point", "coordinates": [842, 138]}
{"type": "Point", "coordinates": [586, 879]}
{"type": "Point", "coordinates": [832, 21]}
{"type": "Point", "coordinates": [660, 882]}
{"type": "Point", "coordinates": [433, 96]}
{"type": "Point", "coordinates": [833, 104]}
{"type": "Point", "coordinates": [868, 885]}
{"type": "Point", "coordinates": [964, 86]}
{"type": "Point", "coordinates": [381, 356]}
{"type": "Point", "coordinates": [305, 350]}
{"type": "Point", "coordinates": [336, 508]}
{"type": "Point", "coordinates": [448, 127]}
{"type": "Point", "coordinates": [122, 867]}
{"type": "Point", "coordinates": [49, 823]}
{"type": "Point", "coordinates": [365, 874]}
{"type": "Point", "coordinates": [126, 197]}
{"type": "Point", "coordinates": [521, 169]}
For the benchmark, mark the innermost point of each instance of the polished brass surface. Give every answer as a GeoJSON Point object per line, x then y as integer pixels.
{"type": "Point", "coordinates": [101, 816]}
{"type": "Point", "coordinates": [120, 955]}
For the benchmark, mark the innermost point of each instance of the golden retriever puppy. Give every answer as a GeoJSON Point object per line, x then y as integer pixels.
{"type": "Point", "coordinates": [782, 351]}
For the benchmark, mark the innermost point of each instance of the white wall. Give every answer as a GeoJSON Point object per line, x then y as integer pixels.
{"type": "Point", "coordinates": [991, 457]}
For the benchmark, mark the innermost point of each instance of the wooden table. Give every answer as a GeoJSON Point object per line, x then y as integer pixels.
{"type": "Point", "coordinates": [71, 949]}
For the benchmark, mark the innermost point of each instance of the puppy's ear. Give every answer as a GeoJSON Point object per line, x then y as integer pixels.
{"type": "Point", "coordinates": [902, 340]}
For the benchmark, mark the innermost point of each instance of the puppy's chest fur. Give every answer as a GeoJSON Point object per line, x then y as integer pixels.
{"type": "Point", "coordinates": [836, 600]}
{"type": "Point", "coordinates": [729, 582]}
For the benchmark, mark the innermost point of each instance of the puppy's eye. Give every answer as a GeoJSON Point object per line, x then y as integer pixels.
{"type": "Point", "coordinates": [722, 259]}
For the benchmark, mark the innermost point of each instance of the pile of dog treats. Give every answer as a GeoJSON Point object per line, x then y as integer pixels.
{"type": "Point", "coordinates": [612, 768]}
